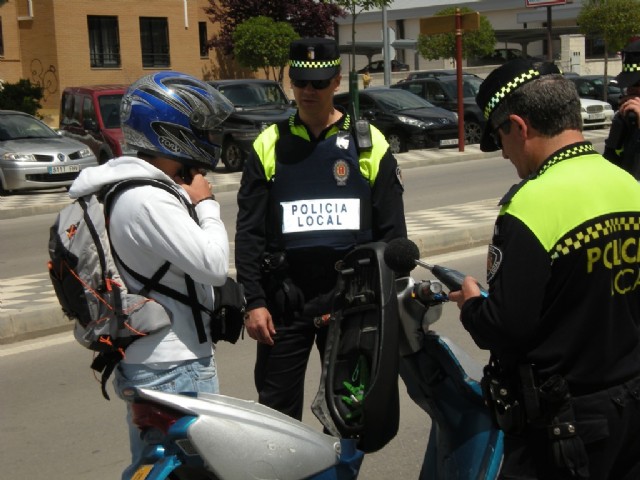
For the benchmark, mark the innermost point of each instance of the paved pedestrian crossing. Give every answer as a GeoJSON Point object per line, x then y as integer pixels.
{"type": "Point", "coordinates": [35, 291]}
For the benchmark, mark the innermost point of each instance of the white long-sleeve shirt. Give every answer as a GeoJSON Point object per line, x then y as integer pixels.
{"type": "Point", "coordinates": [149, 226]}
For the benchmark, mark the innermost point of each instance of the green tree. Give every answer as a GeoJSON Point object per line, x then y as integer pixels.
{"type": "Point", "coordinates": [443, 45]}
{"type": "Point", "coordinates": [310, 18]}
{"type": "Point", "coordinates": [355, 8]}
{"type": "Point", "coordinates": [614, 21]}
{"type": "Point", "coordinates": [262, 43]}
{"type": "Point", "coordinates": [22, 96]}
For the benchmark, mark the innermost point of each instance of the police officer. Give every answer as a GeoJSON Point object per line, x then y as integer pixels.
{"type": "Point", "coordinates": [561, 318]}
{"type": "Point", "coordinates": [622, 146]}
{"type": "Point", "coordinates": [309, 193]}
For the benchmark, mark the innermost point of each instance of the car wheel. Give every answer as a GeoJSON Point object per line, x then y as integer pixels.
{"type": "Point", "coordinates": [472, 132]}
{"type": "Point", "coordinates": [3, 191]}
{"type": "Point", "coordinates": [396, 143]}
{"type": "Point", "coordinates": [232, 156]}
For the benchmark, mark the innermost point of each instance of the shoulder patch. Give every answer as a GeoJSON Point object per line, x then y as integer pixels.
{"type": "Point", "coordinates": [494, 260]}
{"type": "Point", "coordinates": [399, 175]}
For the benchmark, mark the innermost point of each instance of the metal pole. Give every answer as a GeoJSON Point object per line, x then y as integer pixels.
{"type": "Point", "coordinates": [549, 44]}
{"type": "Point", "coordinates": [385, 47]}
{"type": "Point", "coordinates": [459, 78]}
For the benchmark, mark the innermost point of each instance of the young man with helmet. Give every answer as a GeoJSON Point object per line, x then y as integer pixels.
{"type": "Point", "coordinates": [310, 191]}
{"type": "Point", "coordinates": [622, 146]}
{"type": "Point", "coordinates": [166, 117]}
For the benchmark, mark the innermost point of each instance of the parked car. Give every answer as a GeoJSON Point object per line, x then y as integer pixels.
{"type": "Point", "coordinates": [592, 86]}
{"type": "Point", "coordinates": [34, 156]}
{"type": "Point", "coordinates": [596, 113]}
{"type": "Point", "coordinates": [442, 91]}
{"type": "Point", "coordinates": [406, 120]}
{"type": "Point", "coordinates": [503, 55]}
{"type": "Point", "coordinates": [258, 104]}
{"type": "Point", "coordinates": [436, 74]}
{"type": "Point", "coordinates": [91, 115]}
{"type": "Point", "coordinates": [378, 66]}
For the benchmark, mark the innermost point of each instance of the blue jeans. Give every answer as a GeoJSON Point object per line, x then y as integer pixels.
{"type": "Point", "coordinates": [192, 376]}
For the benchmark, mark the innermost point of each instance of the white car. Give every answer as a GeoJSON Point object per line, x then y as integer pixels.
{"type": "Point", "coordinates": [596, 113]}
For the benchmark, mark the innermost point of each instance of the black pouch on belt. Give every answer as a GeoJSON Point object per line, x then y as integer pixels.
{"type": "Point", "coordinates": [285, 299]}
{"type": "Point", "coordinates": [566, 447]}
{"type": "Point", "coordinates": [501, 397]}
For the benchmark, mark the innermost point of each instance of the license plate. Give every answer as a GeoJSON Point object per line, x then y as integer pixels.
{"type": "Point", "coordinates": [448, 141]}
{"type": "Point", "coordinates": [142, 472]}
{"type": "Point", "coordinates": [63, 169]}
{"type": "Point", "coordinates": [596, 116]}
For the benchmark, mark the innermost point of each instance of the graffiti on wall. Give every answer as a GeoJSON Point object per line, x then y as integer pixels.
{"type": "Point", "coordinates": [47, 79]}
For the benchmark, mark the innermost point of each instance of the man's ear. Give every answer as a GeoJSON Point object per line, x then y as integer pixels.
{"type": "Point", "coordinates": [521, 124]}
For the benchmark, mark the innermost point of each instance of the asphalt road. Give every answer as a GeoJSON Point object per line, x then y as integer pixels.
{"type": "Point", "coordinates": [54, 422]}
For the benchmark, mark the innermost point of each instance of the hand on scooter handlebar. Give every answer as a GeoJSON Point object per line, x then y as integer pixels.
{"type": "Point", "coordinates": [469, 288]}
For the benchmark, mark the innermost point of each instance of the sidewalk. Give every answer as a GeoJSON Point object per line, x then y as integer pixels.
{"type": "Point", "coordinates": [29, 308]}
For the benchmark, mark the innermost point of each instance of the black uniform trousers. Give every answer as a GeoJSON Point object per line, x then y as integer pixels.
{"type": "Point", "coordinates": [608, 423]}
{"type": "Point", "coordinates": [280, 369]}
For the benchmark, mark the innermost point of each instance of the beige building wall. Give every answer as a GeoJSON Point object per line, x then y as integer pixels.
{"type": "Point", "coordinates": [49, 43]}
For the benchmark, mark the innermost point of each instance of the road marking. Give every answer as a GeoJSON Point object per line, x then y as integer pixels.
{"type": "Point", "coordinates": [457, 255]}
{"type": "Point", "coordinates": [36, 344]}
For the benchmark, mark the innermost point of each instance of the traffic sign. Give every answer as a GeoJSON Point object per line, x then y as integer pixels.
{"type": "Point", "coordinates": [447, 23]}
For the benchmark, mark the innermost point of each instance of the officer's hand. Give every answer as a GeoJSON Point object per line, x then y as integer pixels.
{"type": "Point", "coordinates": [259, 325]}
{"type": "Point", "coordinates": [469, 290]}
{"type": "Point", "coordinates": [632, 104]}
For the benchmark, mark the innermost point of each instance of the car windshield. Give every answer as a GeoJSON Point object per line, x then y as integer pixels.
{"type": "Point", "coordinates": [15, 127]}
{"type": "Point", "coordinates": [611, 88]}
{"type": "Point", "coordinates": [110, 110]}
{"type": "Point", "coordinates": [254, 94]}
{"type": "Point", "coordinates": [470, 87]}
{"type": "Point", "coordinates": [397, 100]}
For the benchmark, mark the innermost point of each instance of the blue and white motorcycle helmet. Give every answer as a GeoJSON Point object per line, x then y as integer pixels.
{"type": "Point", "coordinates": [170, 114]}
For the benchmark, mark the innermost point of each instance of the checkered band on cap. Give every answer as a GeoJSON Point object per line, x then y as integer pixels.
{"type": "Point", "coordinates": [506, 89]}
{"type": "Point", "coordinates": [315, 64]}
{"type": "Point", "coordinates": [630, 67]}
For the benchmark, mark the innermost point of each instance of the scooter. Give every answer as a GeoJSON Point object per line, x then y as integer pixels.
{"type": "Point", "coordinates": [441, 378]}
{"type": "Point", "coordinates": [206, 436]}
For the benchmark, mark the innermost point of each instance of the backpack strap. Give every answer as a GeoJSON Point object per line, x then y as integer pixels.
{"type": "Point", "coordinates": [96, 238]}
{"type": "Point", "coordinates": [153, 283]}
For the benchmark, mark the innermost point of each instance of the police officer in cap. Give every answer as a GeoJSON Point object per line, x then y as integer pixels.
{"type": "Point", "coordinates": [622, 146]}
{"type": "Point", "coordinates": [562, 316]}
{"type": "Point", "coordinates": [309, 193]}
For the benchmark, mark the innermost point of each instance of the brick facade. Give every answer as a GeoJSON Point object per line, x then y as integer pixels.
{"type": "Point", "coordinates": [47, 42]}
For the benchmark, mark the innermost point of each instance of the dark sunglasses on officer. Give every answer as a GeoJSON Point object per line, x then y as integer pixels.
{"type": "Point", "coordinates": [316, 84]}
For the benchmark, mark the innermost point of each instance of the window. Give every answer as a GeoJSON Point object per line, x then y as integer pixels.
{"type": "Point", "coordinates": [154, 40]}
{"type": "Point", "coordinates": [202, 30]}
{"type": "Point", "coordinates": [104, 41]}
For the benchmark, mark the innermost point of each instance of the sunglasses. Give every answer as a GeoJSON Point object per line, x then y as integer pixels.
{"type": "Point", "coordinates": [495, 134]}
{"type": "Point", "coordinates": [316, 84]}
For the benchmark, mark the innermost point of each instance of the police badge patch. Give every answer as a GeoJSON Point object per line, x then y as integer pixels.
{"type": "Point", "coordinates": [341, 172]}
{"type": "Point", "coordinates": [494, 259]}
{"type": "Point", "coordinates": [399, 175]}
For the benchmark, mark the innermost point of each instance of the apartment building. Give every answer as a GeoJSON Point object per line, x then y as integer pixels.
{"type": "Point", "coordinates": [60, 43]}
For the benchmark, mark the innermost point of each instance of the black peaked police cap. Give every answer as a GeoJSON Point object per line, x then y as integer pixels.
{"type": "Point", "coordinates": [630, 74]}
{"type": "Point", "coordinates": [501, 83]}
{"type": "Point", "coordinates": [314, 59]}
